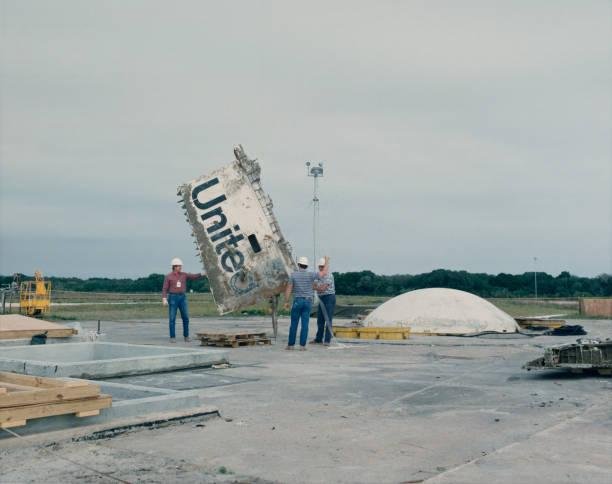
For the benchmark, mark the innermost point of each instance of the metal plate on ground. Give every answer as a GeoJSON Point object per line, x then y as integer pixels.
{"type": "Point", "coordinates": [183, 380]}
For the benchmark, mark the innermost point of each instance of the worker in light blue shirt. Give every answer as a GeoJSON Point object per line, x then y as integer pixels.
{"type": "Point", "coordinates": [327, 302]}
{"type": "Point", "coordinates": [303, 284]}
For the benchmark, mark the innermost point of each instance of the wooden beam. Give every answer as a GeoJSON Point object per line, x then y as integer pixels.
{"type": "Point", "coordinates": [47, 395]}
{"type": "Point", "coordinates": [19, 414]}
{"type": "Point", "coordinates": [89, 413]}
{"type": "Point", "coordinates": [14, 387]}
{"type": "Point", "coordinates": [14, 326]}
{"type": "Point", "coordinates": [20, 390]}
{"type": "Point", "coordinates": [28, 333]}
{"type": "Point", "coordinates": [38, 381]}
{"type": "Point", "coordinates": [14, 423]}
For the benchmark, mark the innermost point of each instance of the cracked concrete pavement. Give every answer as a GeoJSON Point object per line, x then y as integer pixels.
{"type": "Point", "coordinates": [430, 409]}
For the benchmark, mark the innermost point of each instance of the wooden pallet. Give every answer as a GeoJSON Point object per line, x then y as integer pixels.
{"type": "Point", "coordinates": [15, 326]}
{"type": "Point", "coordinates": [231, 334]}
{"type": "Point", "coordinates": [25, 397]}
{"type": "Point", "coordinates": [233, 339]}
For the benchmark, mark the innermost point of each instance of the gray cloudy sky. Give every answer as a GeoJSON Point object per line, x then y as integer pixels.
{"type": "Point", "coordinates": [465, 135]}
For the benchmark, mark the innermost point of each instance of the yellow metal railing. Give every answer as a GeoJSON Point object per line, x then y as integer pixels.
{"type": "Point", "coordinates": [35, 296]}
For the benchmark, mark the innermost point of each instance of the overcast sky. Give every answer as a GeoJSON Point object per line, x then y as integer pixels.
{"type": "Point", "coordinates": [463, 135]}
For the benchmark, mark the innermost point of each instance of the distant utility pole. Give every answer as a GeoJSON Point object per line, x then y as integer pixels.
{"type": "Point", "coordinates": [535, 276]}
{"type": "Point", "coordinates": [315, 172]}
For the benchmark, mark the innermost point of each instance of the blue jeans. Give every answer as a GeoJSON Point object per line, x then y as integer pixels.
{"type": "Point", "coordinates": [178, 301]}
{"type": "Point", "coordinates": [329, 301]}
{"type": "Point", "coordinates": [300, 309]}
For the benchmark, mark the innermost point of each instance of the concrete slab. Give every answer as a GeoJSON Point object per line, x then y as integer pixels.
{"type": "Point", "coordinates": [432, 409]}
{"type": "Point", "coordinates": [182, 380]}
{"type": "Point", "coordinates": [131, 403]}
{"type": "Point", "coordinates": [102, 360]}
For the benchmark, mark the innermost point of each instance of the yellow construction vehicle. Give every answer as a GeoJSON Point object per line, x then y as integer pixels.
{"type": "Point", "coordinates": [35, 296]}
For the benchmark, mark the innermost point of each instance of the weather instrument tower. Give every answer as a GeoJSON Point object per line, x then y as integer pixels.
{"type": "Point", "coordinates": [314, 171]}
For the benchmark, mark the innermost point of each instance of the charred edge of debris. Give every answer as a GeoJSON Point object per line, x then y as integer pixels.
{"type": "Point", "coordinates": [153, 424]}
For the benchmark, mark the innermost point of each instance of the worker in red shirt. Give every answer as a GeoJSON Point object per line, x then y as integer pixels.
{"type": "Point", "coordinates": [173, 296]}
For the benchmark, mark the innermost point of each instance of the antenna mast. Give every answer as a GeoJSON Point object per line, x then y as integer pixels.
{"type": "Point", "coordinates": [314, 171]}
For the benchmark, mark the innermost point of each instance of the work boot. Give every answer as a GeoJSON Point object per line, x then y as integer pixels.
{"type": "Point", "coordinates": [172, 340]}
{"type": "Point", "coordinates": [187, 339]}
{"type": "Point", "coordinates": [289, 347]}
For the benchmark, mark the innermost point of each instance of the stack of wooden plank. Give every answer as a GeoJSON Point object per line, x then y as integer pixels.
{"type": "Point", "coordinates": [14, 326]}
{"type": "Point", "coordinates": [550, 323]}
{"type": "Point", "coordinates": [25, 397]}
{"type": "Point", "coordinates": [356, 332]}
{"type": "Point", "coordinates": [233, 339]}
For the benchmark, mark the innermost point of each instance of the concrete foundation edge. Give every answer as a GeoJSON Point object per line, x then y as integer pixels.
{"type": "Point", "coordinates": [172, 405]}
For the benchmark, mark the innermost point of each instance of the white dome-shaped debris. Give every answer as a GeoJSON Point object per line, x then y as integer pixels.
{"type": "Point", "coordinates": [440, 310]}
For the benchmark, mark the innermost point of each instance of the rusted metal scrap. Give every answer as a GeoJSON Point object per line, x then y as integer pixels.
{"type": "Point", "coordinates": [585, 354]}
{"type": "Point", "coordinates": [236, 234]}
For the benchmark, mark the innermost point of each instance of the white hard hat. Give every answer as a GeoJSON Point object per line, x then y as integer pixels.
{"type": "Point", "coordinates": [322, 261]}
{"type": "Point", "coordinates": [303, 261]}
{"type": "Point", "coordinates": [176, 262]}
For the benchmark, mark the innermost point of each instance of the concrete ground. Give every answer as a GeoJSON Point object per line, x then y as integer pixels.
{"type": "Point", "coordinates": [430, 409]}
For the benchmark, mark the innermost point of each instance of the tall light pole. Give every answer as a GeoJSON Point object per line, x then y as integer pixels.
{"type": "Point", "coordinates": [314, 171]}
{"type": "Point", "coordinates": [535, 276]}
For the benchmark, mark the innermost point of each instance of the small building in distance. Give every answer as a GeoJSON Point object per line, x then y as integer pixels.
{"type": "Point", "coordinates": [600, 307]}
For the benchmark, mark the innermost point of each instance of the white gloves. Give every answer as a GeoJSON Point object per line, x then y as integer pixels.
{"type": "Point", "coordinates": [164, 301]}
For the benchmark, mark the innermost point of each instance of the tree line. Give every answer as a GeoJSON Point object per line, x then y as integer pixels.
{"type": "Point", "coordinates": [484, 285]}
{"type": "Point", "coordinates": [364, 283]}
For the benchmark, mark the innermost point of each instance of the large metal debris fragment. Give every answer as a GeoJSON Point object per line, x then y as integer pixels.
{"type": "Point", "coordinates": [585, 354]}
{"type": "Point", "coordinates": [236, 234]}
